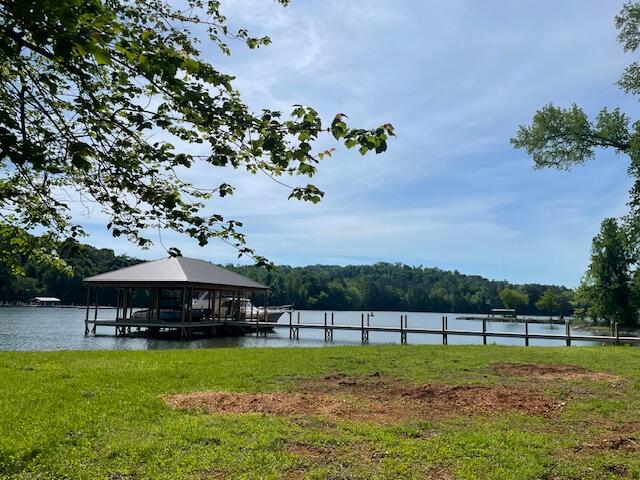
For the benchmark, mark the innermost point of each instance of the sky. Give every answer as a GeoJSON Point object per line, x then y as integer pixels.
{"type": "Point", "coordinates": [455, 79]}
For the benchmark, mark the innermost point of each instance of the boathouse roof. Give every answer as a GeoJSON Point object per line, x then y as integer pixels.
{"type": "Point", "coordinates": [174, 272]}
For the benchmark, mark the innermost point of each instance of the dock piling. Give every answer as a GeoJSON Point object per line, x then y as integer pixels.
{"type": "Point", "coordinates": [445, 340]}
{"type": "Point", "coordinates": [484, 331]}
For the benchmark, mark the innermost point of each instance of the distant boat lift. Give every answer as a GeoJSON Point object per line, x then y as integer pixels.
{"type": "Point", "coordinates": [44, 301]}
{"type": "Point", "coordinates": [503, 313]}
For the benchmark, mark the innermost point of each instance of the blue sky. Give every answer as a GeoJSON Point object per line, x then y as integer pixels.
{"type": "Point", "coordinates": [455, 78]}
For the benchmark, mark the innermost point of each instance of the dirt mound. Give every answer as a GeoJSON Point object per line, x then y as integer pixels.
{"type": "Point", "coordinates": [481, 398]}
{"type": "Point", "coordinates": [552, 372]}
{"type": "Point", "coordinates": [374, 399]}
{"type": "Point", "coordinates": [281, 403]}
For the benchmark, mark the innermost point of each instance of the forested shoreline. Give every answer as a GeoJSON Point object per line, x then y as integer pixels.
{"type": "Point", "coordinates": [382, 286]}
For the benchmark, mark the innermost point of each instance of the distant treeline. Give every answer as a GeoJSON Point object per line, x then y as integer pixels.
{"type": "Point", "coordinates": [383, 286]}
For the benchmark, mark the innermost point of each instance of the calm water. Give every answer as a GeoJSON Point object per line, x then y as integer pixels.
{"type": "Point", "coordinates": [42, 328]}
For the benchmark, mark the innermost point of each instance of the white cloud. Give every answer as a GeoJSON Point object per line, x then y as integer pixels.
{"type": "Point", "coordinates": [455, 78]}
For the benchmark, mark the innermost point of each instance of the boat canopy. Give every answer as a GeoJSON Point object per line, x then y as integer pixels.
{"type": "Point", "coordinates": [176, 272]}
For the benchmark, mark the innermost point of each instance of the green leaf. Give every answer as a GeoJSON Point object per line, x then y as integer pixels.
{"type": "Point", "coordinates": [102, 56]}
{"type": "Point", "coordinates": [191, 65]}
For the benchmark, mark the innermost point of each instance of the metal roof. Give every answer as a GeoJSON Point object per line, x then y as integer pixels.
{"type": "Point", "coordinates": [175, 271]}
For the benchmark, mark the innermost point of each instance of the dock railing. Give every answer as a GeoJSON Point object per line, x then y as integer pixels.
{"type": "Point", "coordinates": [444, 332]}
{"type": "Point", "coordinates": [294, 323]}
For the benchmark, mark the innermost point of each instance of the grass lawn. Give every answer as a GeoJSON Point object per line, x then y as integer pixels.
{"type": "Point", "coordinates": [103, 415]}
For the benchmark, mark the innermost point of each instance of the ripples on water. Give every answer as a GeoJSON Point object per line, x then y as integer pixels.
{"type": "Point", "coordinates": [54, 328]}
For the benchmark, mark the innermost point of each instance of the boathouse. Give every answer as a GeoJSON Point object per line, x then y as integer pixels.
{"type": "Point", "coordinates": [175, 293]}
{"type": "Point", "coordinates": [44, 301]}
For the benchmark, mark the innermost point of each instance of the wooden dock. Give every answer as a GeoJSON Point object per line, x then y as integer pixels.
{"type": "Point", "coordinates": [402, 329]}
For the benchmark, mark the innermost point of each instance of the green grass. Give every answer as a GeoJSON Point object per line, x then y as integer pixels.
{"type": "Point", "coordinates": [100, 415]}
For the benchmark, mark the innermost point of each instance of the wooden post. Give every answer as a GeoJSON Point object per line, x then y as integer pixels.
{"type": "Point", "coordinates": [158, 316]}
{"type": "Point", "coordinates": [567, 330]}
{"type": "Point", "coordinates": [95, 312]}
{"type": "Point", "coordinates": [117, 302]}
{"type": "Point", "coordinates": [298, 327]}
{"type": "Point", "coordinates": [290, 325]}
{"type": "Point", "coordinates": [124, 303]}
{"type": "Point", "coordinates": [331, 331]}
{"type": "Point", "coordinates": [367, 329]}
{"type": "Point", "coordinates": [617, 331]}
{"type": "Point", "coordinates": [364, 333]}
{"type": "Point", "coordinates": [406, 324]}
{"type": "Point", "coordinates": [444, 331]}
{"type": "Point", "coordinates": [403, 327]}
{"type": "Point", "coordinates": [526, 332]}
{"type": "Point", "coordinates": [182, 306]}
{"type": "Point", "coordinates": [131, 305]}
{"type": "Point", "coordinates": [257, 323]}
{"type": "Point", "coordinates": [484, 331]}
{"type": "Point", "coordinates": [326, 332]}
{"type": "Point", "coordinates": [86, 317]}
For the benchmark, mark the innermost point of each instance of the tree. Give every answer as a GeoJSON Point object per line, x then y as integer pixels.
{"type": "Point", "coordinates": [607, 287]}
{"type": "Point", "coordinates": [106, 102]}
{"type": "Point", "coordinates": [514, 299]}
{"type": "Point", "coordinates": [563, 137]}
{"type": "Point", "coordinates": [554, 302]}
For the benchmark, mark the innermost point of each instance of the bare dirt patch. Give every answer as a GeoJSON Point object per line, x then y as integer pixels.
{"type": "Point", "coordinates": [308, 451]}
{"type": "Point", "coordinates": [438, 474]}
{"type": "Point", "coordinates": [280, 403]}
{"type": "Point", "coordinates": [552, 372]}
{"type": "Point", "coordinates": [628, 444]}
{"type": "Point", "coordinates": [373, 398]}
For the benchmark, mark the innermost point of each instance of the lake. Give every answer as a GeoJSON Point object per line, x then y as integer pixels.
{"type": "Point", "coordinates": [54, 328]}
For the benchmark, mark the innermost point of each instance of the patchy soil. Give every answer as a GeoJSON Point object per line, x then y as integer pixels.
{"type": "Point", "coordinates": [628, 444]}
{"type": "Point", "coordinates": [552, 372]}
{"type": "Point", "coordinates": [373, 398]}
{"type": "Point", "coordinates": [439, 474]}
{"type": "Point", "coordinates": [281, 403]}
{"type": "Point", "coordinates": [308, 451]}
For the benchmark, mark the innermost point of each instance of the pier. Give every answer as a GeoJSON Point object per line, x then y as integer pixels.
{"type": "Point", "coordinates": [294, 324]}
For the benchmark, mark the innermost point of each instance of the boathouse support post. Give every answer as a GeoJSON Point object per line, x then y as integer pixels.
{"type": "Point", "coordinates": [266, 311]}
{"type": "Point", "coordinates": [95, 312]}
{"type": "Point", "coordinates": [183, 298]}
{"type": "Point", "coordinates": [86, 317]}
{"type": "Point", "coordinates": [257, 322]}
{"type": "Point", "coordinates": [117, 302]}
{"type": "Point", "coordinates": [124, 303]}
{"type": "Point", "coordinates": [132, 291]}
{"type": "Point", "coordinates": [190, 304]}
